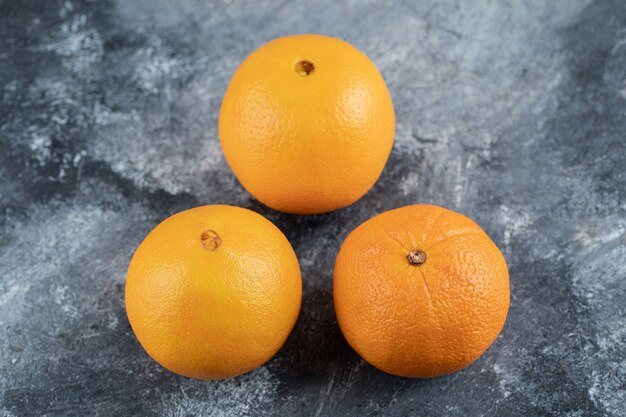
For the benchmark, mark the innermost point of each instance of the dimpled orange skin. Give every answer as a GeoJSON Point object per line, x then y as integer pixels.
{"type": "Point", "coordinates": [213, 292]}
{"type": "Point", "coordinates": [420, 320]}
{"type": "Point", "coordinates": [311, 143]}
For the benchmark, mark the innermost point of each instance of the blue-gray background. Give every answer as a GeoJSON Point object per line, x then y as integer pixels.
{"type": "Point", "coordinates": [512, 112]}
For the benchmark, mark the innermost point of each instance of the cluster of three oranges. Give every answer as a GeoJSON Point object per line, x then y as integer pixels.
{"type": "Point", "coordinates": [307, 125]}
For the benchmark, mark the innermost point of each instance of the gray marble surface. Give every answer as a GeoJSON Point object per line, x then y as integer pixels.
{"type": "Point", "coordinates": [512, 112]}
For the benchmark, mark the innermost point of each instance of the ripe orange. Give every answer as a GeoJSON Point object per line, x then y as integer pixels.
{"type": "Point", "coordinates": [213, 292]}
{"type": "Point", "coordinates": [420, 291]}
{"type": "Point", "coordinates": [307, 124]}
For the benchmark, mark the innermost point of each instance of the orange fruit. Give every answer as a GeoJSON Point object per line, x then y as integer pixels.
{"type": "Point", "coordinates": [307, 124]}
{"type": "Point", "coordinates": [213, 292]}
{"type": "Point", "coordinates": [420, 291]}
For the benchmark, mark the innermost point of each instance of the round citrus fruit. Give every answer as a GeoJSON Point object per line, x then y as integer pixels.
{"type": "Point", "coordinates": [307, 124]}
{"type": "Point", "coordinates": [213, 292]}
{"type": "Point", "coordinates": [420, 291]}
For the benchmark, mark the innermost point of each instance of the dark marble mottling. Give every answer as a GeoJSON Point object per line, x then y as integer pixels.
{"type": "Point", "coordinates": [513, 113]}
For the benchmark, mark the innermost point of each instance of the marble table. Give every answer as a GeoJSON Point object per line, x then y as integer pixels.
{"type": "Point", "coordinates": [512, 112]}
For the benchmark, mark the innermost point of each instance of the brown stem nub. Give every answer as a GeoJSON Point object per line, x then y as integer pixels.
{"type": "Point", "coordinates": [304, 68]}
{"type": "Point", "coordinates": [416, 257]}
{"type": "Point", "coordinates": [210, 240]}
